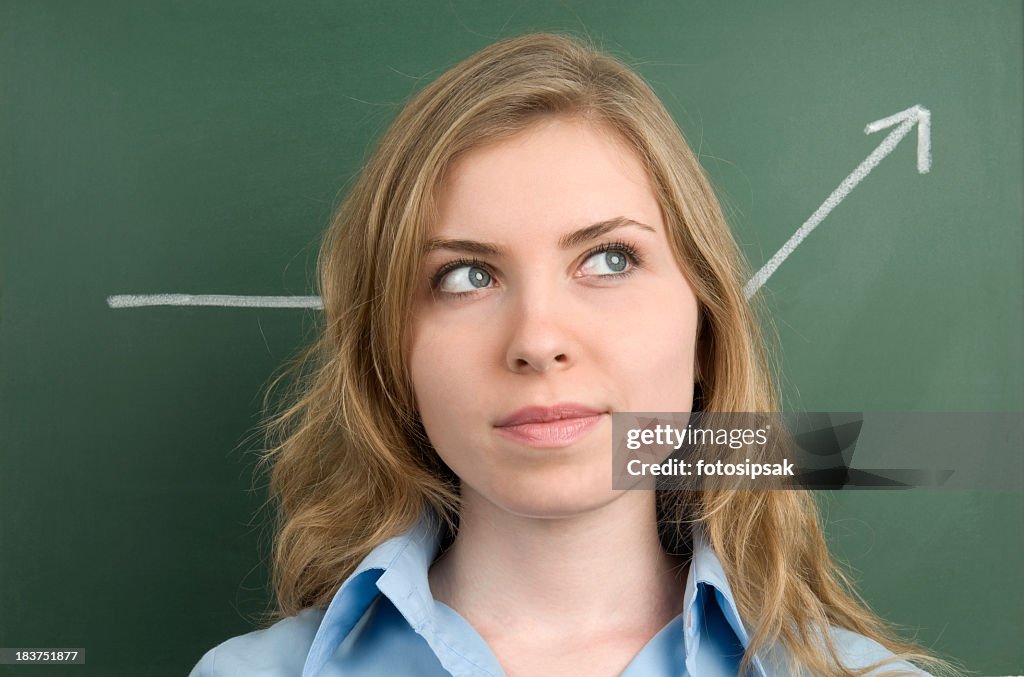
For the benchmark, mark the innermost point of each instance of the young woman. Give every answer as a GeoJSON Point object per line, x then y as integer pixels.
{"type": "Point", "coordinates": [531, 248]}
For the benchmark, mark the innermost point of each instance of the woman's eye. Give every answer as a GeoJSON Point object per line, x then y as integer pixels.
{"type": "Point", "coordinates": [464, 279]}
{"type": "Point", "coordinates": [610, 262]}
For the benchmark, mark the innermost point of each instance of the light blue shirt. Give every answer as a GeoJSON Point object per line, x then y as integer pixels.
{"type": "Point", "coordinates": [384, 621]}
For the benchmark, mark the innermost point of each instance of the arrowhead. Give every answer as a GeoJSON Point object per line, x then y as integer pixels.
{"type": "Point", "coordinates": [906, 119]}
{"type": "Point", "coordinates": [914, 113]}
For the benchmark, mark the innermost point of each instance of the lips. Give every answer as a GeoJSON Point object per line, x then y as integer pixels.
{"type": "Point", "coordinates": [556, 426]}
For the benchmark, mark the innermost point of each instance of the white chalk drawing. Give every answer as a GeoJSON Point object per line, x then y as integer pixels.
{"type": "Point", "coordinates": [226, 300]}
{"type": "Point", "coordinates": [904, 121]}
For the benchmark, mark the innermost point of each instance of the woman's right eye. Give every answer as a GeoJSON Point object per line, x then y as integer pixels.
{"type": "Point", "coordinates": [464, 279]}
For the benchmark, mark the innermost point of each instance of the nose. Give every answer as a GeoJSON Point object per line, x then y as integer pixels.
{"type": "Point", "coordinates": [540, 336]}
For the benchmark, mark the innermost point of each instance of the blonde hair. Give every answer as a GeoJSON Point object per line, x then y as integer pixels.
{"type": "Point", "coordinates": [351, 464]}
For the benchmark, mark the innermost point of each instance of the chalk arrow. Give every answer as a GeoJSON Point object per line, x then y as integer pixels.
{"type": "Point", "coordinates": [904, 121]}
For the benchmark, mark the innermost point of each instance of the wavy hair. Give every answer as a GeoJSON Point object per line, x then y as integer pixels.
{"type": "Point", "coordinates": [350, 465]}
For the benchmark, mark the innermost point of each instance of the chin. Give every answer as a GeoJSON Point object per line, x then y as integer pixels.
{"type": "Point", "coordinates": [558, 495]}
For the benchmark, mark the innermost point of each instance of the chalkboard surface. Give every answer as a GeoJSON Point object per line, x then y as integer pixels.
{"type": "Point", "coordinates": [199, 148]}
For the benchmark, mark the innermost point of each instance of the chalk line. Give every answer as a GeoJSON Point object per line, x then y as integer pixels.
{"type": "Point", "coordinates": [905, 120]}
{"type": "Point", "coordinates": [142, 300]}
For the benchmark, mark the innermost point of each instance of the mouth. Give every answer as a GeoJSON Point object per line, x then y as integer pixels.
{"type": "Point", "coordinates": [549, 427]}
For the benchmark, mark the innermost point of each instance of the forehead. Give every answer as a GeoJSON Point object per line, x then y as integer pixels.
{"type": "Point", "coordinates": [555, 175]}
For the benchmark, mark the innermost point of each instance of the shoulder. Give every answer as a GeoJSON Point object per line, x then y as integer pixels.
{"type": "Point", "coordinates": [858, 652]}
{"type": "Point", "coordinates": [278, 650]}
{"type": "Point", "coordinates": [858, 655]}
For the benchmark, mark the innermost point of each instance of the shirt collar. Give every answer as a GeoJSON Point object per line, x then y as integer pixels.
{"type": "Point", "coordinates": [398, 565]}
{"type": "Point", "coordinates": [398, 569]}
{"type": "Point", "coordinates": [707, 575]}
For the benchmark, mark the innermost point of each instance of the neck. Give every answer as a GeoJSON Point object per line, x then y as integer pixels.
{"type": "Point", "coordinates": [597, 572]}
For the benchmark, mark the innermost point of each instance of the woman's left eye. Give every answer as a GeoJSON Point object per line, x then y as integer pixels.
{"type": "Point", "coordinates": [608, 262]}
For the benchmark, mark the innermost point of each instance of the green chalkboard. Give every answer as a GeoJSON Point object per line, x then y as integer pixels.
{"type": "Point", "coordinates": [200, 147]}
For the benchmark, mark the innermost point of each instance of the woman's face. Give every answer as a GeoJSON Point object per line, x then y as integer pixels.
{"type": "Point", "coordinates": [549, 298]}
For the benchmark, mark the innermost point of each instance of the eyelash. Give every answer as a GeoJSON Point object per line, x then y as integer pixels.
{"type": "Point", "coordinates": [630, 250]}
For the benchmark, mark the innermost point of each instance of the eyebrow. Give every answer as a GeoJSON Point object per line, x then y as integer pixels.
{"type": "Point", "coordinates": [567, 241]}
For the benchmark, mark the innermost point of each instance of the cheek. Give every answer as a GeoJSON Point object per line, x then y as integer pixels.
{"type": "Point", "coordinates": [431, 369]}
{"type": "Point", "coordinates": [444, 364]}
{"type": "Point", "coordinates": [658, 348]}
